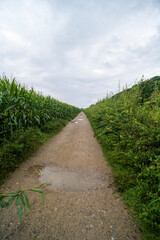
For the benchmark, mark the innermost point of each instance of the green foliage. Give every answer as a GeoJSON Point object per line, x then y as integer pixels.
{"type": "Point", "coordinates": [21, 108]}
{"type": "Point", "coordinates": [23, 143]}
{"type": "Point", "coordinates": [21, 199]}
{"type": "Point", "coordinates": [53, 127]}
{"type": "Point", "coordinates": [128, 127]}
{"type": "Point", "coordinates": [27, 120]}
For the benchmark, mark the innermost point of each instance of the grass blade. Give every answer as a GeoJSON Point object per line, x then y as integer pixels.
{"type": "Point", "coordinates": [42, 197]}
{"type": "Point", "coordinates": [25, 201]}
{"type": "Point", "coordinates": [2, 203]}
{"type": "Point", "coordinates": [36, 190]}
{"type": "Point", "coordinates": [19, 204]}
{"type": "Point", "coordinates": [43, 184]}
{"type": "Point", "coordinates": [11, 200]}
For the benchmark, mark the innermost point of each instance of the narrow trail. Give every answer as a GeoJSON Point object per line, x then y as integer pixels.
{"type": "Point", "coordinates": [79, 200]}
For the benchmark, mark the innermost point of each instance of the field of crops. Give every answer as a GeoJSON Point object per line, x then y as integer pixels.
{"type": "Point", "coordinates": [128, 127]}
{"type": "Point", "coordinates": [21, 108]}
{"type": "Point", "coordinates": [27, 119]}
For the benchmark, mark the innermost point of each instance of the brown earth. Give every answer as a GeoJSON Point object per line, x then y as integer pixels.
{"type": "Point", "coordinates": [80, 203]}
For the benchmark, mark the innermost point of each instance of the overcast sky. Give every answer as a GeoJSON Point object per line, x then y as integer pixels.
{"type": "Point", "coordinates": [77, 51]}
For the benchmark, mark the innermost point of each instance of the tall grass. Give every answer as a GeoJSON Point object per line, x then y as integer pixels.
{"type": "Point", "coordinates": [128, 127]}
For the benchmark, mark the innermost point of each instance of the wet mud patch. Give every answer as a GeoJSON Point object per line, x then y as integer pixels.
{"type": "Point", "coordinates": [36, 170]}
{"type": "Point", "coordinates": [77, 120]}
{"type": "Point", "coordinates": [70, 180]}
{"type": "Point", "coordinates": [74, 122]}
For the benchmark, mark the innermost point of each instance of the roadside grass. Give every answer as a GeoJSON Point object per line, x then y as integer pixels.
{"type": "Point", "coordinates": [23, 144]}
{"type": "Point", "coordinates": [127, 188]}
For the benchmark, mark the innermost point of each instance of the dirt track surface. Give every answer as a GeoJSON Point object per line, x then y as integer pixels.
{"type": "Point", "coordinates": [79, 200]}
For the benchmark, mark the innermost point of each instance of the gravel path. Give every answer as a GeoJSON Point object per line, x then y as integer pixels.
{"type": "Point", "coordinates": [80, 203]}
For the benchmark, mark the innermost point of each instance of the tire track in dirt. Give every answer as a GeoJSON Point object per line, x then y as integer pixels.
{"type": "Point", "coordinates": [79, 200]}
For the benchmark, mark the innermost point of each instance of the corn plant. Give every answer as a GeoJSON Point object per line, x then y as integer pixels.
{"type": "Point", "coordinates": [21, 108]}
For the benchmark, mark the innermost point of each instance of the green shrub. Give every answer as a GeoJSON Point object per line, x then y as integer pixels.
{"type": "Point", "coordinates": [128, 127]}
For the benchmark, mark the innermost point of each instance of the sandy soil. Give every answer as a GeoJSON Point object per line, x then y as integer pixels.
{"type": "Point", "coordinates": [80, 203]}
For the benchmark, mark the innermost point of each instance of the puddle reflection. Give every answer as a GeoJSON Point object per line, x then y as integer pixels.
{"type": "Point", "coordinates": [69, 180]}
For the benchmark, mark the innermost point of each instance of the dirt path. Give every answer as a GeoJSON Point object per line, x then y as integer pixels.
{"type": "Point", "coordinates": [79, 200]}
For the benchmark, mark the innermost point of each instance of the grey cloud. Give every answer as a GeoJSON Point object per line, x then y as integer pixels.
{"type": "Point", "coordinates": [77, 51]}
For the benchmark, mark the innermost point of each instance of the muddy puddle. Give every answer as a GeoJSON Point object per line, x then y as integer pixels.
{"type": "Point", "coordinates": [76, 121]}
{"type": "Point", "coordinates": [66, 179]}
{"type": "Point", "coordinates": [36, 170]}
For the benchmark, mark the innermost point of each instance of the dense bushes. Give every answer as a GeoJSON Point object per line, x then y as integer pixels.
{"type": "Point", "coordinates": [128, 127]}
{"type": "Point", "coordinates": [22, 144]}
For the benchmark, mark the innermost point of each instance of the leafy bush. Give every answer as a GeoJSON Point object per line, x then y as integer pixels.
{"type": "Point", "coordinates": [128, 127]}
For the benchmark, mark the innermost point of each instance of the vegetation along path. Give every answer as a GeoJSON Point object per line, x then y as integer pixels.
{"type": "Point", "coordinates": [80, 202]}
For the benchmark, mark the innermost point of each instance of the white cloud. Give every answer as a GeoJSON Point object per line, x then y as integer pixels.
{"type": "Point", "coordinates": [77, 51]}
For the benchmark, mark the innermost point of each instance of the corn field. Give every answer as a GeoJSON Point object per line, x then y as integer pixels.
{"type": "Point", "coordinates": [21, 108]}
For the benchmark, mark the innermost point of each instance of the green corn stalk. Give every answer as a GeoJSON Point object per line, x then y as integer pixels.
{"type": "Point", "coordinates": [21, 108]}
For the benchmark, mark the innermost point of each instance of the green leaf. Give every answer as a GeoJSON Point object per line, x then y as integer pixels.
{"type": "Point", "coordinates": [10, 107]}
{"type": "Point", "coordinates": [157, 200]}
{"type": "Point", "coordinates": [36, 190]}
{"type": "Point", "coordinates": [19, 204]}
{"type": "Point", "coordinates": [11, 200]}
{"type": "Point", "coordinates": [25, 201]}
{"type": "Point", "coordinates": [11, 195]}
{"type": "Point", "coordinates": [43, 184]}
{"type": "Point", "coordinates": [42, 197]}
{"type": "Point", "coordinates": [2, 203]}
